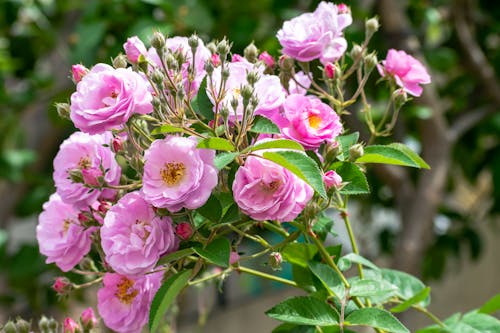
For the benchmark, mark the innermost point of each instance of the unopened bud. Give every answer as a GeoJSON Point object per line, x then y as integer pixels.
{"type": "Point", "coordinates": [371, 27]}
{"type": "Point", "coordinates": [171, 62]}
{"type": "Point", "coordinates": [342, 8]}
{"type": "Point", "coordinates": [209, 68]}
{"type": "Point", "coordinates": [212, 47]}
{"type": "Point", "coordinates": [78, 71]}
{"type": "Point", "coordinates": [234, 103]}
{"type": "Point", "coordinates": [356, 51]}
{"type": "Point", "coordinates": [355, 152]}
{"type": "Point", "coordinates": [371, 61]}
{"type": "Point", "coordinates": [87, 264]}
{"type": "Point", "coordinates": [22, 325]}
{"type": "Point", "coordinates": [10, 327]}
{"type": "Point", "coordinates": [117, 144]}
{"type": "Point", "coordinates": [63, 110]}
{"type": "Point", "coordinates": [43, 325]}
{"type": "Point", "coordinates": [157, 77]}
{"type": "Point", "coordinates": [158, 40]}
{"type": "Point", "coordinates": [120, 61]}
{"type": "Point", "coordinates": [275, 261]}
{"type": "Point", "coordinates": [134, 49]}
{"type": "Point", "coordinates": [71, 326]}
{"type": "Point", "coordinates": [223, 48]}
{"type": "Point", "coordinates": [62, 286]}
{"type": "Point", "coordinates": [92, 177]}
{"type": "Point", "coordinates": [193, 41]}
{"type": "Point", "coordinates": [234, 257]}
{"type": "Point", "coordinates": [156, 102]}
{"type": "Point", "coordinates": [246, 92]}
{"type": "Point", "coordinates": [53, 325]}
{"type": "Point", "coordinates": [250, 53]}
{"type": "Point", "coordinates": [400, 98]}
{"type": "Point", "coordinates": [225, 74]}
{"type": "Point", "coordinates": [252, 78]}
{"type": "Point", "coordinates": [267, 59]}
{"type": "Point", "coordinates": [88, 319]}
{"type": "Point", "coordinates": [184, 230]}
{"type": "Point", "coordinates": [215, 59]}
{"type": "Point", "coordinates": [332, 179]}
{"type": "Point", "coordinates": [286, 63]}
{"type": "Point", "coordinates": [332, 149]}
{"type": "Point", "coordinates": [254, 102]}
{"type": "Point", "coordinates": [76, 175]}
{"type": "Point", "coordinates": [329, 71]}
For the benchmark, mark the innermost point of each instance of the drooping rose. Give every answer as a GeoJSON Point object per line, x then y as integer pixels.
{"type": "Point", "coordinates": [133, 238]}
{"type": "Point", "coordinates": [61, 237]}
{"type": "Point", "coordinates": [85, 153]}
{"type": "Point", "coordinates": [177, 174]}
{"type": "Point", "coordinates": [105, 98]}
{"type": "Point", "coordinates": [123, 302]}
{"type": "Point", "coordinates": [265, 190]}
{"type": "Point", "coordinates": [408, 72]}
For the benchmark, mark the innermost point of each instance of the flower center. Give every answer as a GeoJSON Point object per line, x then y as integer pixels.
{"type": "Point", "coordinates": [173, 173]}
{"type": "Point", "coordinates": [66, 225]}
{"type": "Point", "coordinates": [272, 186]}
{"type": "Point", "coordinates": [314, 121]}
{"type": "Point", "coordinates": [84, 163]}
{"type": "Point", "coordinates": [142, 229]}
{"type": "Point", "coordinates": [124, 291]}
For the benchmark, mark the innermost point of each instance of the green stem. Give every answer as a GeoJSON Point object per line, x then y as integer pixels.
{"type": "Point", "coordinates": [267, 276]}
{"type": "Point", "coordinates": [210, 277]}
{"type": "Point", "coordinates": [329, 260]}
{"type": "Point", "coordinates": [345, 217]}
{"type": "Point", "coordinates": [277, 229]}
{"type": "Point", "coordinates": [430, 315]}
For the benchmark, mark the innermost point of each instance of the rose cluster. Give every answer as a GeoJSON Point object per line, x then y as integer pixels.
{"type": "Point", "coordinates": [130, 182]}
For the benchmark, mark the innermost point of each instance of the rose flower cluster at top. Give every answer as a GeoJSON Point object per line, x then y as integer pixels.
{"type": "Point", "coordinates": [127, 215]}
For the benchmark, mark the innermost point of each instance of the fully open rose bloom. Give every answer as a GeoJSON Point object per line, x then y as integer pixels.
{"type": "Point", "coordinates": [60, 235]}
{"type": "Point", "coordinates": [177, 174]}
{"type": "Point", "coordinates": [408, 72]}
{"type": "Point", "coordinates": [85, 153]}
{"type": "Point", "coordinates": [133, 238]}
{"type": "Point", "coordinates": [265, 190]}
{"type": "Point", "coordinates": [123, 301]}
{"type": "Point", "coordinates": [309, 121]}
{"type": "Point", "coordinates": [316, 35]}
{"type": "Point", "coordinates": [105, 98]}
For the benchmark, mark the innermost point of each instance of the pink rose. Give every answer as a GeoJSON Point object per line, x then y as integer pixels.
{"type": "Point", "coordinates": [315, 35]}
{"type": "Point", "coordinates": [265, 190]}
{"type": "Point", "coordinates": [105, 99]}
{"type": "Point", "coordinates": [332, 179]}
{"type": "Point", "coordinates": [78, 72]}
{"type": "Point", "coordinates": [267, 59]}
{"type": "Point", "coordinates": [133, 238]}
{"type": "Point", "coordinates": [184, 230]}
{"type": "Point", "coordinates": [82, 152]}
{"type": "Point", "coordinates": [71, 326]}
{"type": "Point", "coordinates": [177, 174]}
{"type": "Point", "coordinates": [134, 48]}
{"type": "Point", "coordinates": [309, 121]}
{"type": "Point", "coordinates": [407, 71]}
{"type": "Point", "coordinates": [61, 237]}
{"type": "Point", "coordinates": [123, 302]}
{"type": "Point", "coordinates": [88, 318]}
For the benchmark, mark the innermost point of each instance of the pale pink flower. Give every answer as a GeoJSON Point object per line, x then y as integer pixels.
{"type": "Point", "coordinates": [299, 84]}
{"type": "Point", "coordinates": [123, 301]}
{"type": "Point", "coordinates": [332, 179]}
{"type": "Point", "coordinates": [133, 237]}
{"type": "Point", "coordinates": [61, 237]}
{"type": "Point", "coordinates": [408, 72]}
{"type": "Point", "coordinates": [265, 190]}
{"type": "Point", "coordinates": [316, 35]}
{"type": "Point", "coordinates": [134, 48]}
{"type": "Point", "coordinates": [177, 174]}
{"type": "Point", "coordinates": [105, 98]}
{"type": "Point", "coordinates": [81, 152]}
{"type": "Point", "coordinates": [309, 121]}
{"type": "Point", "coordinates": [236, 58]}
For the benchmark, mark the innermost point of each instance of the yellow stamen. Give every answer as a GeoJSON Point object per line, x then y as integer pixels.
{"type": "Point", "coordinates": [173, 173]}
{"type": "Point", "coordinates": [124, 292]}
{"type": "Point", "coordinates": [314, 121]}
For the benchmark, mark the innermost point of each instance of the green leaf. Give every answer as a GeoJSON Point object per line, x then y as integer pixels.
{"type": "Point", "coordinates": [201, 103]}
{"type": "Point", "coordinates": [165, 296]}
{"type": "Point", "coordinates": [396, 154]}
{"type": "Point", "coordinates": [475, 322]}
{"type": "Point", "coordinates": [302, 166]}
{"type": "Point", "coordinates": [408, 285]}
{"type": "Point", "coordinates": [376, 318]}
{"type": "Point", "coordinates": [299, 253]}
{"type": "Point", "coordinates": [175, 255]}
{"type": "Point", "coordinates": [353, 176]}
{"type": "Point", "coordinates": [491, 306]}
{"type": "Point", "coordinates": [369, 288]}
{"type": "Point", "coordinates": [166, 129]}
{"type": "Point", "coordinates": [292, 328]}
{"type": "Point", "coordinates": [346, 261]}
{"type": "Point", "coordinates": [232, 214]}
{"type": "Point", "coordinates": [275, 144]}
{"type": "Point", "coordinates": [417, 298]}
{"type": "Point", "coordinates": [217, 252]}
{"type": "Point", "coordinates": [223, 159]}
{"type": "Point", "coordinates": [212, 209]}
{"type": "Point", "coordinates": [263, 125]}
{"type": "Point", "coordinates": [328, 277]}
{"type": "Point", "coordinates": [216, 143]}
{"type": "Point", "coordinates": [345, 142]}
{"type": "Point", "coordinates": [304, 310]}
{"type": "Point", "coordinates": [411, 154]}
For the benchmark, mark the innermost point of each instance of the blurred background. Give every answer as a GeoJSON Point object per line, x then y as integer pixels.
{"type": "Point", "coordinates": [440, 224]}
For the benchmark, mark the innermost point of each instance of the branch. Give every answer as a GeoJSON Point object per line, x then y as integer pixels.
{"type": "Point", "coordinates": [468, 120]}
